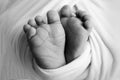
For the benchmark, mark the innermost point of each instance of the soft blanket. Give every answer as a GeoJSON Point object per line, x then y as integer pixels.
{"type": "Point", "coordinates": [99, 61]}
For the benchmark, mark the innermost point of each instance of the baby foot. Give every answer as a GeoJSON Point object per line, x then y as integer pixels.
{"type": "Point", "coordinates": [76, 30]}
{"type": "Point", "coordinates": [46, 40]}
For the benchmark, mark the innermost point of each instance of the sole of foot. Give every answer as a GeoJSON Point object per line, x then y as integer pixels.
{"type": "Point", "coordinates": [77, 31]}
{"type": "Point", "coordinates": [46, 40]}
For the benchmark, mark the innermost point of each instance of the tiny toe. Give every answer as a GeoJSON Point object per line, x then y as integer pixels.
{"type": "Point", "coordinates": [39, 20]}
{"type": "Point", "coordinates": [26, 28]}
{"type": "Point", "coordinates": [82, 15]}
{"type": "Point", "coordinates": [53, 17]}
{"type": "Point", "coordinates": [87, 26]}
{"type": "Point", "coordinates": [66, 11]}
{"type": "Point", "coordinates": [32, 23]}
{"type": "Point", "coordinates": [85, 18]}
{"type": "Point", "coordinates": [30, 31]}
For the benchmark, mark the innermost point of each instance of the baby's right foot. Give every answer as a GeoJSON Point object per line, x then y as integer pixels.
{"type": "Point", "coordinates": [76, 33]}
{"type": "Point", "coordinates": [46, 40]}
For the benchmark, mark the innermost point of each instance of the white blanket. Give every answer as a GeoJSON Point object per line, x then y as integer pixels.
{"type": "Point", "coordinates": [99, 61]}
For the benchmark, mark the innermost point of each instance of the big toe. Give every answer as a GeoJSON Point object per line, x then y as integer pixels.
{"type": "Point", "coordinates": [66, 11]}
{"type": "Point", "coordinates": [53, 17]}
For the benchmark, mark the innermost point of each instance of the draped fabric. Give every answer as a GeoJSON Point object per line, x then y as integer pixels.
{"type": "Point", "coordinates": [100, 57]}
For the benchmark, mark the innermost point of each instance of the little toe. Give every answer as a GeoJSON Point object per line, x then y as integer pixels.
{"type": "Point", "coordinates": [88, 26]}
{"type": "Point", "coordinates": [82, 15]}
{"type": "Point", "coordinates": [30, 31]}
{"type": "Point", "coordinates": [66, 11]}
{"type": "Point", "coordinates": [53, 17]}
{"type": "Point", "coordinates": [32, 23]}
{"type": "Point", "coordinates": [85, 19]}
{"type": "Point", "coordinates": [39, 20]}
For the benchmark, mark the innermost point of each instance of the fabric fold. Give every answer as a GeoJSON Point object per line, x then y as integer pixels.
{"type": "Point", "coordinates": [77, 69]}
